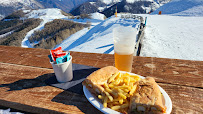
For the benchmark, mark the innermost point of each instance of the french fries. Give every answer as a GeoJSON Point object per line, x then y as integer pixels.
{"type": "Point", "coordinates": [117, 91]}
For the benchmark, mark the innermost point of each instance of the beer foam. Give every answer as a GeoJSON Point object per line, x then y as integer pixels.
{"type": "Point", "coordinates": [124, 40]}
{"type": "Point", "coordinates": [124, 49]}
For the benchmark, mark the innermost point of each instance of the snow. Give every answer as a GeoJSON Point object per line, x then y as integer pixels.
{"type": "Point", "coordinates": [101, 9]}
{"type": "Point", "coordinates": [182, 8]}
{"type": "Point", "coordinates": [194, 11]}
{"type": "Point", "coordinates": [174, 37]}
{"type": "Point", "coordinates": [1, 16]}
{"type": "Point", "coordinates": [177, 34]}
{"type": "Point", "coordinates": [6, 34]}
{"type": "Point", "coordinates": [110, 1]}
{"type": "Point", "coordinates": [46, 14]}
{"type": "Point", "coordinates": [98, 16]}
{"type": "Point", "coordinates": [7, 111]}
{"type": "Point", "coordinates": [92, 3]}
{"type": "Point", "coordinates": [26, 11]}
{"type": "Point", "coordinates": [99, 39]}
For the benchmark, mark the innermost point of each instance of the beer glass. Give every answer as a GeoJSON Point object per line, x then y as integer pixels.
{"type": "Point", "coordinates": [124, 46]}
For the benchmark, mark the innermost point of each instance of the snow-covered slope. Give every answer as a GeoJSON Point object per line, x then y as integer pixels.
{"type": "Point", "coordinates": [173, 37]}
{"type": "Point", "coordinates": [46, 14]}
{"type": "Point", "coordinates": [182, 7]}
{"type": "Point", "coordinates": [98, 16]}
{"type": "Point", "coordinates": [98, 39]}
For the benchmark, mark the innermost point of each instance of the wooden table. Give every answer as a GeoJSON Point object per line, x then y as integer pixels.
{"type": "Point", "coordinates": [24, 70]}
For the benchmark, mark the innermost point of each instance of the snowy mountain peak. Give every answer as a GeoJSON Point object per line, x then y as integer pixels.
{"type": "Point", "coordinates": [12, 2]}
{"type": "Point", "coordinates": [7, 2]}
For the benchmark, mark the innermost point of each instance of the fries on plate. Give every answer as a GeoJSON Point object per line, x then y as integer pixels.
{"type": "Point", "coordinates": [125, 93]}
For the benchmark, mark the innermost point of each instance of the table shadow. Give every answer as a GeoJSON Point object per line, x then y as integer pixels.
{"type": "Point", "coordinates": [73, 91]}
{"type": "Point", "coordinates": [28, 83]}
{"type": "Point", "coordinates": [75, 85]}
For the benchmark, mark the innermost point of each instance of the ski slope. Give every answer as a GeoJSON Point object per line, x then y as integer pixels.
{"type": "Point", "coordinates": [99, 39]}
{"type": "Point", "coordinates": [177, 33]}
{"type": "Point", "coordinates": [174, 37]}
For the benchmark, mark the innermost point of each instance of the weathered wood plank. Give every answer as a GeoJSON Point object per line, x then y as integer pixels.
{"type": "Point", "coordinates": [25, 56]}
{"type": "Point", "coordinates": [185, 100]}
{"type": "Point", "coordinates": [39, 57]}
{"type": "Point", "coordinates": [180, 72]}
{"type": "Point", "coordinates": [23, 86]}
{"type": "Point", "coordinates": [174, 71]}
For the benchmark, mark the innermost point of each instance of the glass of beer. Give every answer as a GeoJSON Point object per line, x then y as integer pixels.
{"type": "Point", "coordinates": [124, 46]}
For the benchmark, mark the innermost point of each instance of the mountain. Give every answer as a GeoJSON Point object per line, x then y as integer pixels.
{"type": "Point", "coordinates": [89, 7]}
{"type": "Point", "coordinates": [9, 6]}
{"type": "Point", "coordinates": [77, 7]}
{"type": "Point", "coordinates": [124, 6]}
{"type": "Point", "coordinates": [108, 7]}
{"type": "Point", "coordinates": [65, 5]}
{"type": "Point", "coordinates": [83, 9]}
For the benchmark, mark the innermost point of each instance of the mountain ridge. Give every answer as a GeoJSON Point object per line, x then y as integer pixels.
{"type": "Point", "coordinates": [130, 6]}
{"type": "Point", "coordinates": [9, 6]}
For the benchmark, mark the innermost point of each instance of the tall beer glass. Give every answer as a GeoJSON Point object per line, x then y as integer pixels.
{"type": "Point", "coordinates": [124, 46]}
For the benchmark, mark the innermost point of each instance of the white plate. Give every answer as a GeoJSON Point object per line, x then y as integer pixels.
{"type": "Point", "coordinates": [95, 101]}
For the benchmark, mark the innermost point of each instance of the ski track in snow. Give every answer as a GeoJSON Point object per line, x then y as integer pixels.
{"type": "Point", "coordinates": [26, 43]}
